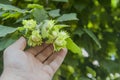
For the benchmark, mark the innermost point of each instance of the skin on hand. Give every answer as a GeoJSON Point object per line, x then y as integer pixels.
{"type": "Point", "coordinates": [24, 65]}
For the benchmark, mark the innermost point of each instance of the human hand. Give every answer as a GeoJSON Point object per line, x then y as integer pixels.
{"type": "Point", "coordinates": [38, 63]}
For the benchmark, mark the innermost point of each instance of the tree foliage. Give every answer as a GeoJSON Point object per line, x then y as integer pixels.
{"type": "Point", "coordinates": [94, 27]}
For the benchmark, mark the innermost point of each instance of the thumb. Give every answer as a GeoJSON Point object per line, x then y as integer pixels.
{"type": "Point", "coordinates": [13, 56]}
{"type": "Point", "coordinates": [20, 44]}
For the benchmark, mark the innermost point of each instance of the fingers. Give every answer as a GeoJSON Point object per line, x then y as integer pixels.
{"type": "Point", "coordinates": [51, 58]}
{"type": "Point", "coordinates": [14, 54]}
{"type": "Point", "coordinates": [20, 44]}
{"type": "Point", "coordinates": [37, 49]}
{"type": "Point", "coordinates": [57, 58]}
{"type": "Point", "coordinates": [41, 52]}
{"type": "Point", "coordinates": [43, 55]}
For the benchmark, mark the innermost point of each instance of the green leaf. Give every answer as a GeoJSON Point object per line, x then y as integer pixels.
{"type": "Point", "coordinates": [90, 33]}
{"type": "Point", "coordinates": [5, 1]}
{"type": "Point", "coordinates": [35, 6]}
{"type": "Point", "coordinates": [60, 0]}
{"type": "Point", "coordinates": [5, 42]}
{"type": "Point", "coordinates": [4, 30]}
{"type": "Point", "coordinates": [72, 46]}
{"type": "Point", "coordinates": [91, 71]}
{"type": "Point", "coordinates": [2, 12]}
{"type": "Point", "coordinates": [84, 78]}
{"type": "Point", "coordinates": [40, 14]}
{"type": "Point", "coordinates": [114, 3]}
{"type": "Point", "coordinates": [54, 13]}
{"type": "Point", "coordinates": [79, 32]}
{"type": "Point", "coordinates": [112, 68]}
{"type": "Point", "coordinates": [25, 17]}
{"type": "Point", "coordinates": [10, 7]}
{"type": "Point", "coordinates": [67, 17]}
{"type": "Point", "coordinates": [11, 15]}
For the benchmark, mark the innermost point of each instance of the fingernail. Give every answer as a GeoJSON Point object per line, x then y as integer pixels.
{"type": "Point", "coordinates": [22, 39]}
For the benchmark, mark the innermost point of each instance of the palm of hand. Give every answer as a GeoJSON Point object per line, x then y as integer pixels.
{"type": "Point", "coordinates": [29, 66]}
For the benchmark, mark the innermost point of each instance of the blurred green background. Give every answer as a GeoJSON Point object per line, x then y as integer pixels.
{"type": "Point", "coordinates": [94, 27]}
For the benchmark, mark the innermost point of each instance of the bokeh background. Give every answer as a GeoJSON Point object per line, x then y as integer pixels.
{"type": "Point", "coordinates": [94, 27]}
